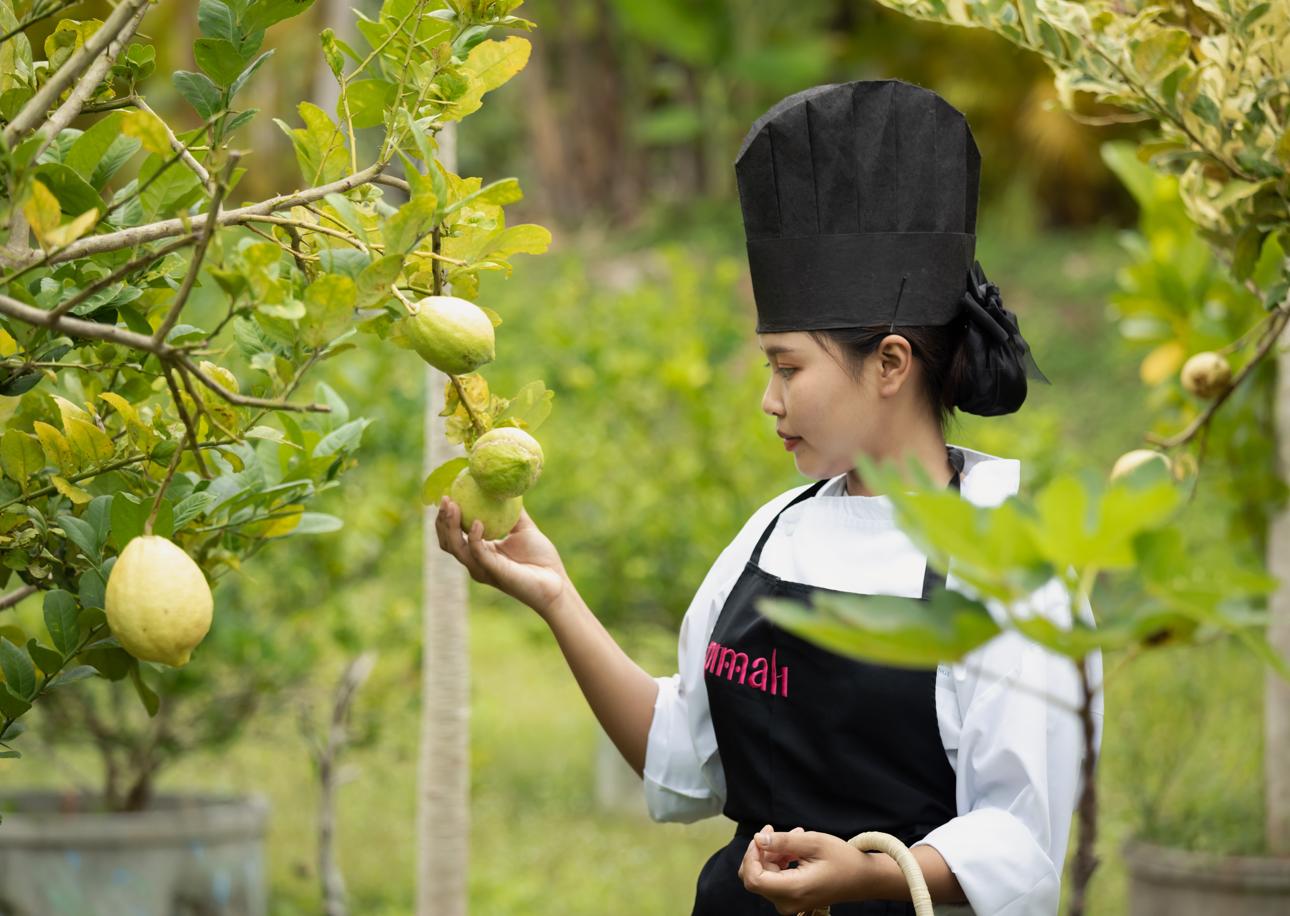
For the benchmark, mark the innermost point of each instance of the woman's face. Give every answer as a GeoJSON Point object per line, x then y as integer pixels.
{"type": "Point", "coordinates": [835, 417]}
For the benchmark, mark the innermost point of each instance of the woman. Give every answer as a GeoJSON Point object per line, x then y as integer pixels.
{"type": "Point", "coordinates": [859, 205]}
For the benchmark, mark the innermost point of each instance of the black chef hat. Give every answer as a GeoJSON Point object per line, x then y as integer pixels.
{"type": "Point", "coordinates": [859, 206]}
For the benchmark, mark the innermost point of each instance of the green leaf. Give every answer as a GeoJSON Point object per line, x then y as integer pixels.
{"type": "Point", "coordinates": [261, 14]}
{"type": "Point", "coordinates": [220, 58]}
{"type": "Point", "coordinates": [215, 20]}
{"type": "Point", "coordinates": [11, 706]}
{"type": "Point", "coordinates": [99, 515]}
{"type": "Point", "coordinates": [91, 147]}
{"type": "Point", "coordinates": [319, 145]}
{"type": "Point", "coordinates": [81, 533]}
{"type": "Point", "coordinates": [368, 101]}
{"type": "Point", "coordinates": [72, 675]}
{"type": "Point", "coordinates": [329, 307]}
{"type": "Point", "coordinates": [129, 514]}
{"type": "Point", "coordinates": [46, 659]}
{"type": "Point", "coordinates": [148, 696]}
{"type": "Point", "coordinates": [317, 523]}
{"type": "Point", "coordinates": [93, 588]}
{"type": "Point", "coordinates": [61, 615]}
{"type": "Point", "coordinates": [201, 93]}
{"type": "Point", "coordinates": [440, 479]}
{"type": "Point", "coordinates": [888, 629]}
{"type": "Point", "coordinates": [21, 457]}
{"type": "Point", "coordinates": [412, 221]}
{"type": "Point", "coordinates": [343, 439]}
{"type": "Point", "coordinates": [348, 214]}
{"type": "Point", "coordinates": [112, 662]}
{"type": "Point", "coordinates": [240, 82]}
{"type": "Point", "coordinates": [19, 673]}
{"type": "Point", "coordinates": [377, 279]}
{"type": "Point", "coordinates": [75, 195]}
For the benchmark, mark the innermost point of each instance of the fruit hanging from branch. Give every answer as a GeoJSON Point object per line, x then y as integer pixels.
{"type": "Point", "coordinates": [158, 603]}
{"type": "Point", "coordinates": [1206, 375]}
{"type": "Point", "coordinates": [452, 334]}
{"type": "Point", "coordinates": [505, 462]}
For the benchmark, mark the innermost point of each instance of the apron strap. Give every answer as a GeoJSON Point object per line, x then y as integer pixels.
{"type": "Point", "coordinates": [929, 578]}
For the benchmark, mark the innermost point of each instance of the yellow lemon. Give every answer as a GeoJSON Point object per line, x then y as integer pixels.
{"type": "Point", "coordinates": [158, 602]}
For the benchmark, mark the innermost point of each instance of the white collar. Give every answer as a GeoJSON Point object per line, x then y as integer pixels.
{"type": "Point", "coordinates": [986, 480]}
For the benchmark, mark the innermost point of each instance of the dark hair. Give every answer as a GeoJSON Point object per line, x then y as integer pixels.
{"type": "Point", "coordinates": [941, 350]}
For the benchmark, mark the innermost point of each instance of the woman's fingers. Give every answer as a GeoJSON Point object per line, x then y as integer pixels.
{"type": "Point", "coordinates": [448, 528]}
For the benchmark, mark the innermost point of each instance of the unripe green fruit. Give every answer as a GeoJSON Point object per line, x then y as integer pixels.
{"type": "Point", "coordinates": [505, 462]}
{"type": "Point", "coordinates": [451, 334]}
{"type": "Point", "coordinates": [158, 603]}
{"type": "Point", "coordinates": [498, 515]}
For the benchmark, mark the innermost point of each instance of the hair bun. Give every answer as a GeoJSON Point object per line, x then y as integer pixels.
{"type": "Point", "coordinates": [998, 359]}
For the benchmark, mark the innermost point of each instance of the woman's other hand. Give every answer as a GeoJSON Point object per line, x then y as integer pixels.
{"type": "Point", "coordinates": [524, 564]}
{"type": "Point", "coordinates": [828, 870]}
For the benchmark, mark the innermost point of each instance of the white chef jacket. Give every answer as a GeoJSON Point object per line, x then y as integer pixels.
{"type": "Point", "coordinates": [1016, 756]}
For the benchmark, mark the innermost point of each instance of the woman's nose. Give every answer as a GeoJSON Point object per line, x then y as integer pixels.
{"type": "Point", "coordinates": [769, 403]}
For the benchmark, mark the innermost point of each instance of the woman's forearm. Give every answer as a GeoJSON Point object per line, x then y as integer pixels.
{"type": "Point", "coordinates": [620, 692]}
{"type": "Point", "coordinates": [887, 882]}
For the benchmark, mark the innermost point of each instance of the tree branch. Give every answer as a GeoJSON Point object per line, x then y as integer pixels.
{"type": "Point", "coordinates": [138, 235]}
{"type": "Point", "coordinates": [180, 148]}
{"type": "Point", "coordinates": [195, 266]}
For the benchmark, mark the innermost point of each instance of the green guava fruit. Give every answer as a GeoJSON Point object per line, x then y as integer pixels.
{"type": "Point", "coordinates": [451, 334]}
{"type": "Point", "coordinates": [498, 515]}
{"type": "Point", "coordinates": [505, 462]}
{"type": "Point", "coordinates": [158, 603]}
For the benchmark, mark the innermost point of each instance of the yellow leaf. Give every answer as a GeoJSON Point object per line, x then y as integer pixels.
{"type": "Point", "coordinates": [495, 62]}
{"type": "Point", "coordinates": [8, 346]}
{"type": "Point", "coordinates": [90, 442]}
{"type": "Point", "coordinates": [42, 211]}
{"type": "Point", "coordinates": [288, 519]}
{"type": "Point", "coordinates": [148, 129]}
{"type": "Point", "coordinates": [57, 451]}
{"type": "Point", "coordinates": [67, 410]}
{"type": "Point", "coordinates": [70, 490]}
{"type": "Point", "coordinates": [1162, 362]}
{"type": "Point", "coordinates": [70, 232]}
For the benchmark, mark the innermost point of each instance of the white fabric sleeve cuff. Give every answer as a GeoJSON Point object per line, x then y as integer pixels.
{"type": "Point", "coordinates": [1002, 869]}
{"type": "Point", "coordinates": [676, 785]}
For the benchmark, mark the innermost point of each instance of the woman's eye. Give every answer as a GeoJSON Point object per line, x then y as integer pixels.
{"type": "Point", "coordinates": [781, 369]}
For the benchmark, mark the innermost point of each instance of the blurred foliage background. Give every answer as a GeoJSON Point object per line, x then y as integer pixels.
{"type": "Point", "coordinates": [622, 131]}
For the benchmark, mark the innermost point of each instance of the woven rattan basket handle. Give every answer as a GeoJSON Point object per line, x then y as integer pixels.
{"type": "Point", "coordinates": [874, 841]}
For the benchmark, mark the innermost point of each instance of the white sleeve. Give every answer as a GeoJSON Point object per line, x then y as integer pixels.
{"type": "Point", "coordinates": [1008, 716]}
{"type": "Point", "coordinates": [683, 777]}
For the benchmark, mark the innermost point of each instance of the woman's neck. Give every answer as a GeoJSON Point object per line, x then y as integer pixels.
{"type": "Point", "coordinates": [930, 452]}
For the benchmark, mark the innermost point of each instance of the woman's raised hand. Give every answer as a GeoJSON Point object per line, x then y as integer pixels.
{"type": "Point", "coordinates": [524, 564]}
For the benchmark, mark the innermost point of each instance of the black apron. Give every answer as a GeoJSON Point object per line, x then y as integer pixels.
{"type": "Point", "coordinates": [816, 740]}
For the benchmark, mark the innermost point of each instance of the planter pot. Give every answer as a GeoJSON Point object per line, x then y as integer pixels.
{"type": "Point", "coordinates": [187, 855]}
{"type": "Point", "coordinates": [1177, 882]}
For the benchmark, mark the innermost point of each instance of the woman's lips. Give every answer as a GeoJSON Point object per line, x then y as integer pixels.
{"type": "Point", "coordinates": [790, 444]}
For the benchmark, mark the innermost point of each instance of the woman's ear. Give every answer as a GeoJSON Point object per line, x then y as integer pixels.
{"type": "Point", "coordinates": [895, 362]}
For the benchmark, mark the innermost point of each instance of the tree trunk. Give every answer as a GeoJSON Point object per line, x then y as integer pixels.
{"type": "Point", "coordinates": [1276, 755]}
{"type": "Point", "coordinates": [443, 792]}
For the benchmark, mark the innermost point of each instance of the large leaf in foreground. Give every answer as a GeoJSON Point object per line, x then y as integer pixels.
{"type": "Point", "coordinates": [888, 629]}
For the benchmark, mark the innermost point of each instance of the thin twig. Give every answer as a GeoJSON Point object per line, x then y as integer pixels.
{"type": "Point", "coordinates": [199, 252]}
{"type": "Point", "coordinates": [15, 596]}
{"type": "Point", "coordinates": [188, 423]}
{"type": "Point", "coordinates": [170, 473]}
